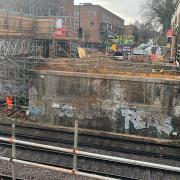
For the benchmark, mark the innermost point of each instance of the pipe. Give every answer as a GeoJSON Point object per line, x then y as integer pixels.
{"type": "Point", "coordinates": [10, 140]}
{"type": "Point", "coordinates": [71, 172]}
{"type": "Point", "coordinates": [96, 156]}
{"type": "Point", "coordinates": [131, 162]}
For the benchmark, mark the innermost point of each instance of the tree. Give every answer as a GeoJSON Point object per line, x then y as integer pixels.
{"type": "Point", "coordinates": [146, 32]}
{"type": "Point", "coordinates": [160, 11]}
{"type": "Point", "coordinates": [136, 34]}
{"type": "Point", "coordinates": [143, 33]}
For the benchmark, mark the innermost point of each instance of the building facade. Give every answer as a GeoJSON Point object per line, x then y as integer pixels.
{"type": "Point", "coordinates": [49, 22]}
{"type": "Point", "coordinates": [65, 7]}
{"type": "Point", "coordinates": [97, 23]}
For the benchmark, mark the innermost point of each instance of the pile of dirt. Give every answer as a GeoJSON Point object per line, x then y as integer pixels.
{"type": "Point", "coordinates": [109, 67]}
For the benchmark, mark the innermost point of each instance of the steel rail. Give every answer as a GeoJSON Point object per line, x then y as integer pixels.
{"type": "Point", "coordinates": [104, 147]}
{"type": "Point", "coordinates": [95, 156]}
{"type": "Point", "coordinates": [64, 155]}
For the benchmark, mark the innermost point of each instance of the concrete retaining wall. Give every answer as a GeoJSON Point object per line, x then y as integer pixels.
{"type": "Point", "coordinates": [110, 103]}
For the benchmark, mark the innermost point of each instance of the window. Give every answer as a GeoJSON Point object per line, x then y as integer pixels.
{"type": "Point", "coordinates": [92, 23]}
{"type": "Point", "coordinates": [106, 18]}
{"type": "Point", "coordinates": [92, 12]}
{"type": "Point", "coordinates": [61, 11]}
{"type": "Point", "coordinates": [76, 13]}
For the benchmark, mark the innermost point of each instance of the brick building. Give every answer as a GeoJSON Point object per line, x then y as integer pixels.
{"type": "Point", "coordinates": [66, 7]}
{"type": "Point", "coordinates": [97, 23]}
{"type": "Point", "coordinates": [129, 29]}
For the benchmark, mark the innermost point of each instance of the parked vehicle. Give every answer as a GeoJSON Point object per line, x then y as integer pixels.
{"type": "Point", "coordinates": [140, 50]}
{"type": "Point", "coordinates": [118, 56]}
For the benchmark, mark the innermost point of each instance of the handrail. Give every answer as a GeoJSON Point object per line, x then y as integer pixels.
{"type": "Point", "coordinates": [75, 151]}
{"type": "Point", "coordinates": [93, 155]}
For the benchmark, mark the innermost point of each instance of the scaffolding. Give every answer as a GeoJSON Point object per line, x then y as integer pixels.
{"type": "Point", "coordinates": [16, 47]}
{"type": "Point", "coordinates": [178, 54]}
{"type": "Point", "coordinates": [25, 39]}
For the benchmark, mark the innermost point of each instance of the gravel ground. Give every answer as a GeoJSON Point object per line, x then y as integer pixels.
{"type": "Point", "coordinates": [33, 173]}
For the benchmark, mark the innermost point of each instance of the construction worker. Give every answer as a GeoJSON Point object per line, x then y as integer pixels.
{"type": "Point", "coordinates": [9, 101]}
{"type": "Point", "coordinates": [114, 47]}
{"type": "Point", "coordinates": [153, 56]}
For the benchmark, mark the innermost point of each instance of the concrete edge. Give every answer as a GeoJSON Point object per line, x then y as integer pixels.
{"type": "Point", "coordinates": [108, 76]}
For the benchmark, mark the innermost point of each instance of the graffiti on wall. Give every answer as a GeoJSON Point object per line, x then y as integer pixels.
{"type": "Point", "coordinates": [143, 120]}
{"type": "Point", "coordinates": [177, 111]}
{"type": "Point", "coordinates": [64, 110]}
{"type": "Point", "coordinates": [36, 111]}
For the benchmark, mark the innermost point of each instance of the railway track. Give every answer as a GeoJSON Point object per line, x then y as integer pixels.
{"type": "Point", "coordinates": [59, 159]}
{"type": "Point", "coordinates": [64, 160]}
{"type": "Point", "coordinates": [92, 141]}
{"type": "Point", "coordinates": [85, 164]}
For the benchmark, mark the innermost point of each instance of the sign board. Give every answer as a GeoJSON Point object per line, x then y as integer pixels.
{"type": "Point", "coordinates": [61, 32]}
{"type": "Point", "coordinates": [168, 45]}
{"type": "Point", "coordinates": [124, 40]}
{"type": "Point", "coordinates": [169, 33]}
{"type": "Point", "coordinates": [59, 23]}
{"type": "Point", "coordinates": [126, 48]}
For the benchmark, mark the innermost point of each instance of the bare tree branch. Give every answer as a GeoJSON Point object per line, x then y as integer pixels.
{"type": "Point", "coordinates": [160, 11]}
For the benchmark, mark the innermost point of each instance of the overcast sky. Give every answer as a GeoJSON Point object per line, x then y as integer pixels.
{"type": "Point", "coordinates": [129, 10]}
